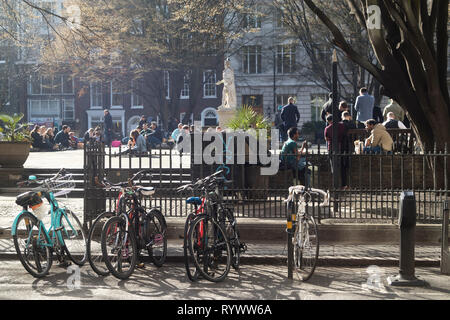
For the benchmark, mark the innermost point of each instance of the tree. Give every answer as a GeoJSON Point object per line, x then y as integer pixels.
{"type": "Point", "coordinates": [315, 39]}
{"type": "Point", "coordinates": [410, 42]}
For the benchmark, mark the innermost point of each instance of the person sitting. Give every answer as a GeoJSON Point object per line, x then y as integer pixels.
{"type": "Point", "coordinates": [145, 131]}
{"type": "Point", "coordinates": [89, 135]}
{"type": "Point", "coordinates": [73, 140]}
{"type": "Point", "coordinates": [62, 138]}
{"type": "Point", "coordinates": [155, 137]}
{"type": "Point", "coordinates": [49, 139]}
{"type": "Point", "coordinates": [37, 141]}
{"type": "Point", "coordinates": [379, 140]}
{"type": "Point", "coordinates": [177, 132]}
{"type": "Point", "coordinates": [392, 122]}
{"type": "Point", "coordinates": [136, 145]}
{"type": "Point", "coordinates": [292, 159]}
{"type": "Point", "coordinates": [184, 132]}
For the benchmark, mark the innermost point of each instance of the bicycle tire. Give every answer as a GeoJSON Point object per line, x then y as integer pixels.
{"type": "Point", "coordinates": [32, 225]}
{"type": "Point", "coordinates": [233, 235]}
{"type": "Point", "coordinates": [94, 249]}
{"type": "Point", "coordinates": [191, 269]}
{"type": "Point", "coordinates": [156, 236]}
{"type": "Point", "coordinates": [306, 248]}
{"type": "Point", "coordinates": [74, 237]}
{"type": "Point", "coordinates": [209, 265]}
{"type": "Point", "coordinates": [114, 230]}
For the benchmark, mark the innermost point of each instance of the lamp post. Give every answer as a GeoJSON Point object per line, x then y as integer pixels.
{"type": "Point", "coordinates": [335, 142]}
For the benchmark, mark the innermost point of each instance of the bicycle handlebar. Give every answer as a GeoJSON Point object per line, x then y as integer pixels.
{"type": "Point", "coordinates": [208, 181]}
{"type": "Point", "coordinates": [302, 190]}
{"type": "Point", "coordinates": [128, 183]}
{"type": "Point", "coordinates": [62, 172]}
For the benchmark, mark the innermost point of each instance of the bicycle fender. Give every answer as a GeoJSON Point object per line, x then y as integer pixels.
{"type": "Point", "coordinates": [13, 228]}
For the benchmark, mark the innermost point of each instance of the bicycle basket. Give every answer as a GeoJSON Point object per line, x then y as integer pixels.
{"type": "Point", "coordinates": [61, 186]}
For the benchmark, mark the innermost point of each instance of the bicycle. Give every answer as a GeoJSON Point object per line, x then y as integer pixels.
{"type": "Point", "coordinates": [34, 243]}
{"type": "Point", "coordinates": [306, 236]}
{"type": "Point", "coordinates": [212, 258]}
{"type": "Point", "coordinates": [135, 228]}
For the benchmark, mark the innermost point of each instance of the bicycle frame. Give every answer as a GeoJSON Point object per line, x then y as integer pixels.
{"type": "Point", "coordinates": [55, 217]}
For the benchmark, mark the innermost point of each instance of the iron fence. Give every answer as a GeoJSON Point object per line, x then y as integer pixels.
{"type": "Point", "coordinates": [373, 187]}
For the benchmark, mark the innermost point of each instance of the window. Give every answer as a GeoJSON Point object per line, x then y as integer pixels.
{"type": "Point", "coordinates": [282, 99]}
{"type": "Point", "coordinates": [67, 83]}
{"type": "Point", "coordinates": [252, 100]}
{"type": "Point", "coordinates": [280, 21]}
{"type": "Point", "coordinates": [116, 94]}
{"type": "Point", "coordinates": [96, 95]}
{"type": "Point", "coordinates": [285, 59]}
{"type": "Point", "coordinates": [68, 109]}
{"type": "Point", "coordinates": [252, 20]}
{"type": "Point", "coordinates": [251, 59]}
{"type": "Point", "coordinates": [137, 100]}
{"type": "Point", "coordinates": [317, 102]}
{"type": "Point", "coordinates": [209, 117]}
{"type": "Point", "coordinates": [186, 86]}
{"type": "Point", "coordinates": [209, 84]}
{"type": "Point", "coordinates": [44, 109]}
{"type": "Point", "coordinates": [58, 84]}
{"type": "Point", "coordinates": [46, 85]}
{"type": "Point", "coordinates": [167, 84]}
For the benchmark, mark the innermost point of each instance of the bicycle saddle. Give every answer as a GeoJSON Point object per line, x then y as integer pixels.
{"type": "Point", "coordinates": [146, 191]}
{"type": "Point", "coordinates": [194, 200]}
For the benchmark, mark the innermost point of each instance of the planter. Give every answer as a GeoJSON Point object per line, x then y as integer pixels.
{"type": "Point", "coordinates": [13, 154]}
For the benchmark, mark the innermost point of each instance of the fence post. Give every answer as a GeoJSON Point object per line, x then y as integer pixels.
{"type": "Point", "coordinates": [445, 256]}
{"type": "Point", "coordinates": [290, 231]}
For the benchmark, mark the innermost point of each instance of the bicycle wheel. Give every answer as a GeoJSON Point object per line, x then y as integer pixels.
{"type": "Point", "coordinates": [191, 270]}
{"type": "Point", "coordinates": [119, 247]}
{"type": "Point", "coordinates": [94, 248]}
{"type": "Point", "coordinates": [32, 245]}
{"type": "Point", "coordinates": [306, 247]}
{"type": "Point", "coordinates": [232, 232]}
{"type": "Point", "coordinates": [74, 237]}
{"type": "Point", "coordinates": [156, 237]}
{"type": "Point", "coordinates": [209, 245]}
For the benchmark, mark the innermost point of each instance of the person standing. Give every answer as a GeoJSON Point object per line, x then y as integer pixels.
{"type": "Point", "coordinates": [364, 106]}
{"type": "Point", "coordinates": [108, 128]}
{"type": "Point", "coordinates": [396, 109]}
{"type": "Point", "coordinates": [327, 108]}
{"type": "Point", "coordinates": [343, 147]}
{"type": "Point", "coordinates": [290, 115]}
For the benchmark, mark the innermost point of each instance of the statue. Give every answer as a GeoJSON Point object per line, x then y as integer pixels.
{"type": "Point", "coordinates": [229, 89]}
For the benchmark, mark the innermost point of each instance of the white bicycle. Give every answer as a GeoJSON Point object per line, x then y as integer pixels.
{"type": "Point", "coordinates": [306, 236]}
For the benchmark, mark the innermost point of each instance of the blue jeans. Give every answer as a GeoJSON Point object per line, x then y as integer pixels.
{"type": "Point", "coordinates": [372, 150]}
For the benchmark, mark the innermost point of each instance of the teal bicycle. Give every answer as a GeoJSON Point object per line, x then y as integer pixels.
{"type": "Point", "coordinates": [34, 243]}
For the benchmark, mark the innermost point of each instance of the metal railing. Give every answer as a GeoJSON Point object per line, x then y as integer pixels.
{"type": "Point", "coordinates": [374, 183]}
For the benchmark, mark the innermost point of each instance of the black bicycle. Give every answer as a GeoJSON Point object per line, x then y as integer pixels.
{"type": "Point", "coordinates": [211, 242]}
{"type": "Point", "coordinates": [136, 228]}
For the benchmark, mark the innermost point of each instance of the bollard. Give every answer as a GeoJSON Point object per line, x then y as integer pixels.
{"type": "Point", "coordinates": [407, 223]}
{"type": "Point", "coordinates": [445, 256]}
{"type": "Point", "coordinates": [290, 232]}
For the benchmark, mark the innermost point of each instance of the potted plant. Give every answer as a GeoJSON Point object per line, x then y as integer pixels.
{"type": "Point", "coordinates": [247, 119]}
{"type": "Point", "coordinates": [15, 141]}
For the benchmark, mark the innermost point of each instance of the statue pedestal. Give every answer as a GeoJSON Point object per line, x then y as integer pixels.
{"type": "Point", "coordinates": [225, 115]}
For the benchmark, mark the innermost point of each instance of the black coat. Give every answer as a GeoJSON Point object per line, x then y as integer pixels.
{"type": "Point", "coordinates": [290, 115]}
{"type": "Point", "coordinates": [108, 122]}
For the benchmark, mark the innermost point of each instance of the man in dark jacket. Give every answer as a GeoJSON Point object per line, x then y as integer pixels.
{"type": "Point", "coordinates": [155, 137]}
{"type": "Point", "coordinates": [62, 137]}
{"type": "Point", "coordinates": [108, 127]}
{"type": "Point", "coordinates": [290, 115]}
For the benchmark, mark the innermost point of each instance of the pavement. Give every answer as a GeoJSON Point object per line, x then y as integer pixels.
{"type": "Point", "coordinates": [258, 283]}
